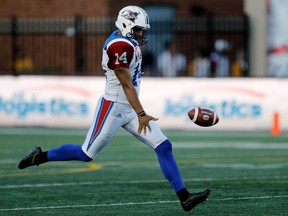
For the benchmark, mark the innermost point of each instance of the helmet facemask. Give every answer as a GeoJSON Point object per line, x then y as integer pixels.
{"type": "Point", "coordinates": [141, 40]}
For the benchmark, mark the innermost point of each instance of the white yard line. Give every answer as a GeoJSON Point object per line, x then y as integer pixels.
{"type": "Point", "coordinates": [134, 203]}
{"type": "Point", "coordinates": [58, 184]}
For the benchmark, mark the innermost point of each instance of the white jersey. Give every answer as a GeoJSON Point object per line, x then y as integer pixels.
{"type": "Point", "coordinates": [120, 52]}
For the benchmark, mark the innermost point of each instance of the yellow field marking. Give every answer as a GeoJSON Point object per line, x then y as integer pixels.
{"type": "Point", "coordinates": [90, 167]}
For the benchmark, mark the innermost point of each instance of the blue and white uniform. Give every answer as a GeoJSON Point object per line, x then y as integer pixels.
{"type": "Point", "coordinates": [113, 109]}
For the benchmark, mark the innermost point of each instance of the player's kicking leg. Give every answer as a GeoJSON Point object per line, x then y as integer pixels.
{"type": "Point", "coordinates": [163, 148]}
{"type": "Point", "coordinates": [170, 170]}
{"type": "Point", "coordinates": [195, 199]}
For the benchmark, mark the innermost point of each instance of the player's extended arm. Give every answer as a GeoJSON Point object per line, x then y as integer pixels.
{"type": "Point", "coordinates": [124, 77]}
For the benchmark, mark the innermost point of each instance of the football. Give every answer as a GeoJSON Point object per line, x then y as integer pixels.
{"type": "Point", "coordinates": [203, 116]}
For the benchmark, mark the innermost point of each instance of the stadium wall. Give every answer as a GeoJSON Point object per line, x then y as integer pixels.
{"type": "Point", "coordinates": [246, 104]}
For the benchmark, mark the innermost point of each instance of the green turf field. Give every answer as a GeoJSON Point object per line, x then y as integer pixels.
{"type": "Point", "coordinates": [247, 172]}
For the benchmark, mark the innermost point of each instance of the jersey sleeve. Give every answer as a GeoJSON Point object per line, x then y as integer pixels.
{"type": "Point", "coordinates": [120, 55]}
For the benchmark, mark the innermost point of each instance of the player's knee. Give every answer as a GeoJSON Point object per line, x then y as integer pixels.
{"type": "Point", "coordinates": [82, 155]}
{"type": "Point", "coordinates": [165, 146]}
{"type": "Point", "coordinates": [85, 157]}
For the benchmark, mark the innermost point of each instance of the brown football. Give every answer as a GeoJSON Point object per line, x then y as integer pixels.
{"type": "Point", "coordinates": [203, 116]}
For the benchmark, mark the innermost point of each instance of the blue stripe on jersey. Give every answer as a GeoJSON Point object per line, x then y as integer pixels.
{"type": "Point", "coordinates": [115, 35]}
{"type": "Point", "coordinates": [105, 108]}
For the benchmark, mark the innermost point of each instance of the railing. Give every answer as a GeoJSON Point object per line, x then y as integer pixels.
{"type": "Point", "coordinates": [73, 46]}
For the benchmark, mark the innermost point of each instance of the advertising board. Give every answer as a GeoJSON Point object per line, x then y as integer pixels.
{"type": "Point", "coordinates": [69, 102]}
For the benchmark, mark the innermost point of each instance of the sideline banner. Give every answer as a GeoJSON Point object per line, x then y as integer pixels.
{"type": "Point", "coordinates": [244, 104]}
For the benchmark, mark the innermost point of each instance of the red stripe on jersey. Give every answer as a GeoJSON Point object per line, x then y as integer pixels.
{"type": "Point", "coordinates": [120, 55]}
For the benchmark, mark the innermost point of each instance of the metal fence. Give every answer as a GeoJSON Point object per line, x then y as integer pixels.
{"type": "Point", "coordinates": [73, 46]}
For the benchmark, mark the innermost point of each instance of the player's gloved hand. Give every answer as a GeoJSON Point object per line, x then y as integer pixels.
{"type": "Point", "coordinates": [144, 122]}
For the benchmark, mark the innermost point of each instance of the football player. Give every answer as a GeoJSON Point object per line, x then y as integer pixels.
{"type": "Point", "coordinates": [120, 107]}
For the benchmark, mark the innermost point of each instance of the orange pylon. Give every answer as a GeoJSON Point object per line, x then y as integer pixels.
{"type": "Point", "coordinates": [275, 130]}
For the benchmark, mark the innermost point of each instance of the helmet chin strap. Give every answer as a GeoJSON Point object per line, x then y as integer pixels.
{"type": "Point", "coordinates": [139, 40]}
{"type": "Point", "coordinates": [142, 41]}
